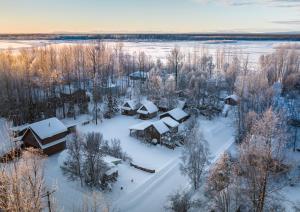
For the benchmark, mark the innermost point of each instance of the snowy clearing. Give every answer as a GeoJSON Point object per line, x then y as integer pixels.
{"type": "Point", "coordinates": [146, 188]}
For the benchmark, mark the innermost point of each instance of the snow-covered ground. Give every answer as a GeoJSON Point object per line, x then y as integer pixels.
{"type": "Point", "coordinates": [147, 192]}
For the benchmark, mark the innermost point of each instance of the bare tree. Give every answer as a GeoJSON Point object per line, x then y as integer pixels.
{"type": "Point", "coordinates": [22, 183]}
{"type": "Point", "coordinates": [73, 166]}
{"type": "Point", "coordinates": [181, 201]}
{"type": "Point", "coordinates": [175, 60]}
{"type": "Point", "coordinates": [94, 167]}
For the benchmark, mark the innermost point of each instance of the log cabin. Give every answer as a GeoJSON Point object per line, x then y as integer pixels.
{"type": "Point", "coordinates": [49, 135]}
{"type": "Point", "coordinates": [130, 107]}
{"type": "Point", "coordinates": [150, 130]}
{"type": "Point", "coordinates": [148, 110]}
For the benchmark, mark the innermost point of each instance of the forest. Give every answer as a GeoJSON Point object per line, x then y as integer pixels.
{"type": "Point", "coordinates": [70, 80]}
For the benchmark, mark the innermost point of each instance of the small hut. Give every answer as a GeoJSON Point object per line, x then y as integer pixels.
{"type": "Point", "coordinates": [177, 114]}
{"type": "Point", "coordinates": [148, 110]}
{"type": "Point", "coordinates": [48, 135]}
{"type": "Point", "coordinates": [232, 100]}
{"type": "Point", "coordinates": [130, 107]}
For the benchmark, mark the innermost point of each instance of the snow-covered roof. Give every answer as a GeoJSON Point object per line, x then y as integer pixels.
{"type": "Point", "coordinates": [111, 160]}
{"type": "Point", "coordinates": [234, 97]}
{"type": "Point", "coordinates": [170, 122]}
{"type": "Point", "coordinates": [48, 128]}
{"type": "Point", "coordinates": [111, 171]}
{"type": "Point", "coordinates": [176, 114]}
{"type": "Point", "coordinates": [160, 126]}
{"type": "Point", "coordinates": [133, 104]}
{"type": "Point", "coordinates": [149, 106]}
{"type": "Point", "coordinates": [141, 126]}
{"type": "Point", "coordinates": [139, 74]}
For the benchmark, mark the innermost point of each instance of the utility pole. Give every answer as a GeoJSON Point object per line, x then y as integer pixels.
{"type": "Point", "coordinates": [48, 194]}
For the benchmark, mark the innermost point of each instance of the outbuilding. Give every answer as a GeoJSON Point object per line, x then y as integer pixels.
{"type": "Point", "coordinates": [49, 135]}
{"type": "Point", "coordinates": [232, 100]}
{"type": "Point", "coordinates": [147, 110]}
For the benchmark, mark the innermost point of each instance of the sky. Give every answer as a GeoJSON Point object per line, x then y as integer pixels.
{"type": "Point", "coordinates": [131, 16]}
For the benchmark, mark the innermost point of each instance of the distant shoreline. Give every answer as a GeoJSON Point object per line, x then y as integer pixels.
{"type": "Point", "coordinates": [155, 37]}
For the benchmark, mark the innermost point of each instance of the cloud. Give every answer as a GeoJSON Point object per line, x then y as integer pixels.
{"type": "Point", "coordinates": [290, 22]}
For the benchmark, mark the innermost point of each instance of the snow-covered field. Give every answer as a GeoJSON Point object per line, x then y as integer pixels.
{"type": "Point", "coordinates": [159, 50]}
{"type": "Point", "coordinates": [147, 192]}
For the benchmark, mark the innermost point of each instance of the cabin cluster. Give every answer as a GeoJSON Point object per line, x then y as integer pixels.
{"type": "Point", "coordinates": [153, 131]}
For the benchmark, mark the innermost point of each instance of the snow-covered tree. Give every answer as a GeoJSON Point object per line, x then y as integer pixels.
{"type": "Point", "coordinates": [195, 156]}
{"type": "Point", "coordinates": [94, 167]}
{"type": "Point", "coordinates": [73, 166]}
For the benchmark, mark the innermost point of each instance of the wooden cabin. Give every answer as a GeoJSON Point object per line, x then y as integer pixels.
{"type": "Point", "coordinates": [177, 114]}
{"type": "Point", "coordinates": [149, 130]}
{"type": "Point", "coordinates": [232, 100]}
{"type": "Point", "coordinates": [157, 130]}
{"type": "Point", "coordinates": [140, 130]}
{"type": "Point", "coordinates": [171, 124]}
{"type": "Point", "coordinates": [147, 110]}
{"type": "Point", "coordinates": [49, 135]}
{"type": "Point", "coordinates": [130, 107]}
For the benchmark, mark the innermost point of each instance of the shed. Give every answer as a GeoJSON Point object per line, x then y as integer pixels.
{"type": "Point", "coordinates": [147, 110]}
{"type": "Point", "coordinates": [130, 107]}
{"type": "Point", "coordinates": [177, 114]}
{"type": "Point", "coordinates": [49, 135]}
{"type": "Point", "coordinates": [232, 100]}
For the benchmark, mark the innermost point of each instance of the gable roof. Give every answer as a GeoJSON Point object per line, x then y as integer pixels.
{"type": "Point", "coordinates": [48, 128]}
{"type": "Point", "coordinates": [160, 126]}
{"type": "Point", "coordinates": [133, 105]}
{"type": "Point", "coordinates": [139, 74]}
{"type": "Point", "coordinates": [149, 106]}
{"type": "Point", "coordinates": [170, 122]}
{"type": "Point", "coordinates": [141, 126]}
{"type": "Point", "coordinates": [176, 114]}
{"type": "Point", "coordinates": [234, 97]}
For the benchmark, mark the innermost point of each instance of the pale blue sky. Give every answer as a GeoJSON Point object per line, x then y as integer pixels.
{"type": "Point", "coordinates": [46, 16]}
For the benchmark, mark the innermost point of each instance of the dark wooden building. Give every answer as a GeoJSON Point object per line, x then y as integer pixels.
{"type": "Point", "coordinates": [149, 130]}
{"type": "Point", "coordinates": [130, 107]}
{"type": "Point", "coordinates": [148, 110]}
{"type": "Point", "coordinates": [49, 135]}
{"type": "Point", "coordinates": [232, 100]}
